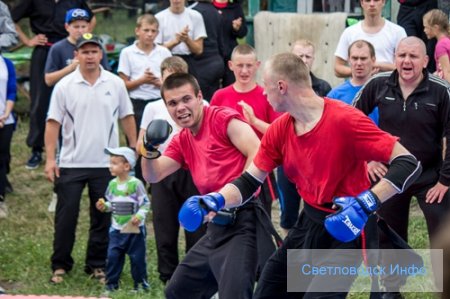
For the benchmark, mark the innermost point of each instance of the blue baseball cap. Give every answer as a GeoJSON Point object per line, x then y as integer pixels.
{"type": "Point", "coordinates": [77, 14]}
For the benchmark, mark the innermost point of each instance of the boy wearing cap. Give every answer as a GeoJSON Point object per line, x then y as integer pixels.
{"type": "Point", "coordinates": [128, 202]}
{"type": "Point", "coordinates": [60, 60]}
{"type": "Point", "coordinates": [87, 106]}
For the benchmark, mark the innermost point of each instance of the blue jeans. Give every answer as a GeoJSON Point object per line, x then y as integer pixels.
{"type": "Point", "coordinates": [134, 246]}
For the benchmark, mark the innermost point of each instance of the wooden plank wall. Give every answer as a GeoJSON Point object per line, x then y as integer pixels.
{"type": "Point", "coordinates": [275, 33]}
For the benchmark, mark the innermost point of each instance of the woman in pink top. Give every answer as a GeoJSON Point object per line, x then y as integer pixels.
{"type": "Point", "coordinates": [435, 23]}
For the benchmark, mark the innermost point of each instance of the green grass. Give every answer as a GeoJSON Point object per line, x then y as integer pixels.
{"type": "Point", "coordinates": [26, 238]}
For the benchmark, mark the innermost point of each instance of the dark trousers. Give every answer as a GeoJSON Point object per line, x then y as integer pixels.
{"type": "Point", "coordinates": [5, 146]}
{"type": "Point", "coordinates": [225, 259]}
{"type": "Point", "coordinates": [289, 200]}
{"type": "Point", "coordinates": [167, 198]}
{"type": "Point", "coordinates": [121, 245]}
{"type": "Point", "coordinates": [40, 98]}
{"type": "Point", "coordinates": [209, 69]}
{"type": "Point", "coordinates": [228, 75]}
{"type": "Point", "coordinates": [307, 233]}
{"type": "Point", "coordinates": [396, 213]}
{"type": "Point", "coordinates": [69, 187]}
{"type": "Point", "coordinates": [138, 108]}
{"type": "Point", "coordinates": [410, 18]}
{"type": "Point", "coordinates": [189, 59]}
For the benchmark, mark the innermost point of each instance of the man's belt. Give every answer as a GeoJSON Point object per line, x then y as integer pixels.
{"type": "Point", "coordinates": [146, 100]}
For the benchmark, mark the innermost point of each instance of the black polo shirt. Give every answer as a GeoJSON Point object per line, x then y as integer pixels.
{"type": "Point", "coordinates": [47, 16]}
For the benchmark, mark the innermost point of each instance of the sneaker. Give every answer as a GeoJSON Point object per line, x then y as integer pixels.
{"type": "Point", "coordinates": [3, 209]}
{"type": "Point", "coordinates": [2, 291]}
{"type": "Point", "coordinates": [34, 161]}
{"type": "Point", "coordinates": [52, 205]}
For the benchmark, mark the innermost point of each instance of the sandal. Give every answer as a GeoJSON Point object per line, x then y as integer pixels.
{"type": "Point", "coordinates": [58, 276]}
{"type": "Point", "coordinates": [100, 275]}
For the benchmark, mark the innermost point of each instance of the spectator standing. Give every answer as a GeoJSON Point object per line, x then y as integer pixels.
{"type": "Point", "coordinates": [209, 65]}
{"type": "Point", "coordinates": [60, 59]}
{"type": "Point", "coordinates": [410, 16]}
{"type": "Point", "coordinates": [8, 34]}
{"type": "Point", "coordinates": [361, 59]}
{"type": "Point", "coordinates": [247, 97]}
{"type": "Point", "coordinates": [170, 193]}
{"type": "Point", "coordinates": [87, 104]}
{"type": "Point", "coordinates": [234, 27]}
{"type": "Point", "coordinates": [139, 68]}
{"type": "Point", "coordinates": [47, 21]}
{"type": "Point", "coordinates": [8, 91]}
{"type": "Point", "coordinates": [305, 49]}
{"type": "Point", "coordinates": [381, 33]}
{"type": "Point", "coordinates": [415, 106]}
{"type": "Point", "coordinates": [182, 31]}
{"type": "Point", "coordinates": [435, 23]}
{"type": "Point", "coordinates": [128, 203]}
{"type": "Point", "coordinates": [8, 38]}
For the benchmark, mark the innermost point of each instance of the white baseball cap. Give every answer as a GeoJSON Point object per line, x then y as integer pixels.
{"type": "Point", "coordinates": [125, 152]}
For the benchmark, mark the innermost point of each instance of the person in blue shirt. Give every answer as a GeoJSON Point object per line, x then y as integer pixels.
{"type": "Point", "coordinates": [361, 57]}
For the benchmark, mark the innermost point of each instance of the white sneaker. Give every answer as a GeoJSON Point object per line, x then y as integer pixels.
{"type": "Point", "coordinates": [53, 201]}
{"type": "Point", "coordinates": [3, 210]}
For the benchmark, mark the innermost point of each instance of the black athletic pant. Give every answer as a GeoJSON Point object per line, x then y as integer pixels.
{"type": "Point", "coordinates": [224, 260]}
{"type": "Point", "coordinates": [167, 198]}
{"type": "Point", "coordinates": [40, 98]}
{"type": "Point", "coordinates": [307, 233]}
{"type": "Point", "coordinates": [138, 108]}
{"type": "Point", "coordinates": [228, 75]}
{"type": "Point", "coordinates": [289, 200]}
{"type": "Point", "coordinates": [209, 68]}
{"type": "Point", "coordinates": [69, 187]}
{"type": "Point", "coordinates": [395, 212]}
{"type": "Point", "coordinates": [5, 145]}
{"type": "Point", "coordinates": [410, 18]}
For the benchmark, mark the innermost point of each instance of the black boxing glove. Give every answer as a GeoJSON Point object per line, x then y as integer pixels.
{"type": "Point", "coordinates": [158, 130]}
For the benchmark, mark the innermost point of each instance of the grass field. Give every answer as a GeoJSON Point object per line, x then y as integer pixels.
{"type": "Point", "coordinates": [26, 238]}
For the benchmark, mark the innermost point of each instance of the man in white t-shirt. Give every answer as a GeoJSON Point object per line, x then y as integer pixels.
{"type": "Point", "coordinates": [182, 31]}
{"type": "Point", "coordinates": [86, 105]}
{"type": "Point", "coordinates": [381, 33]}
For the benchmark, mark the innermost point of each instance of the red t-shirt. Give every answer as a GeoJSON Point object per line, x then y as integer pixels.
{"type": "Point", "coordinates": [210, 156]}
{"type": "Point", "coordinates": [330, 160]}
{"type": "Point", "coordinates": [229, 97]}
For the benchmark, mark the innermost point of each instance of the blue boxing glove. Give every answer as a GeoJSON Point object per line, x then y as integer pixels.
{"type": "Point", "coordinates": [195, 208]}
{"type": "Point", "coordinates": [348, 222]}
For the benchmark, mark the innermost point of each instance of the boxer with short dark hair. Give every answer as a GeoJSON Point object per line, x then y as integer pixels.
{"type": "Point", "coordinates": [216, 145]}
